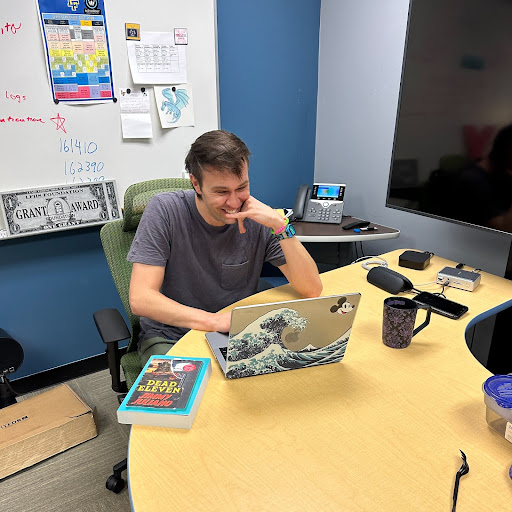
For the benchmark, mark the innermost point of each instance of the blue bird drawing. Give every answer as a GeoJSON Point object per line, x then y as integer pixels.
{"type": "Point", "coordinates": [177, 99]}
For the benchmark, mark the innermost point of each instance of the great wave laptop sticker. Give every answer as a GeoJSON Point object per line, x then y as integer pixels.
{"type": "Point", "coordinates": [274, 337]}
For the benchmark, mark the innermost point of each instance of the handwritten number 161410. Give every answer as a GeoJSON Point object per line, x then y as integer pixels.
{"type": "Point", "coordinates": [77, 146]}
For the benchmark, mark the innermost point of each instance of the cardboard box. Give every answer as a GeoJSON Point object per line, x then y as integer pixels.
{"type": "Point", "coordinates": [42, 426]}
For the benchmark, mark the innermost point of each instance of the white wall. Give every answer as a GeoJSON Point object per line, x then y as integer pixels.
{"type": "Point", "coordinates": [360, 61]}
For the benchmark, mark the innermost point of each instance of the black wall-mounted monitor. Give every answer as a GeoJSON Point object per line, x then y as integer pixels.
{"type": "Point", "coordinates": [452, 152]}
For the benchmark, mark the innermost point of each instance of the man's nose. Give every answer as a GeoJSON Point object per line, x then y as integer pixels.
{"type": "Point", "coordinates": [233, 201]}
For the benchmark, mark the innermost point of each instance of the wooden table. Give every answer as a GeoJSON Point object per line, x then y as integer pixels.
{"type": "Point", "coordinates": [380, 431]}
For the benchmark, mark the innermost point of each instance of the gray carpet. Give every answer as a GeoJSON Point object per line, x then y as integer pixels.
{"type": "Point", "coordinates": [74, 481]}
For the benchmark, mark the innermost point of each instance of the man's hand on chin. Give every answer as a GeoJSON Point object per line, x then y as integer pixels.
{"type": "Point", "coordinates": [259, 212]}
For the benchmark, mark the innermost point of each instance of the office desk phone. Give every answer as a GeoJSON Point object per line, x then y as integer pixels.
{"type": "Point", "coordinates": [324, 205]}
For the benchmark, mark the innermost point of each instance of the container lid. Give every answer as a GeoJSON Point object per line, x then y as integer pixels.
{"type": "Point", "coordinates": [499, 388]}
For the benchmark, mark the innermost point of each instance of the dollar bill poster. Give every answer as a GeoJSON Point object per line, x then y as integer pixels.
{"type": "Point", "coordinates": [77, 49]}
{"type": "Point", "coordinates": [44, 209]}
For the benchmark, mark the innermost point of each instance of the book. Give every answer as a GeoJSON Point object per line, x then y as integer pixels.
{"type": "Point", "coordinates": [167, 392]}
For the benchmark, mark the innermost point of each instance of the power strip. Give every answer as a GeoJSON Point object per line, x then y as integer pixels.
{"type": "Point", "coordinates": [457, 278]}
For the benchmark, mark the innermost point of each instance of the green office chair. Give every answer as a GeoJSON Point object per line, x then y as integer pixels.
{"type": "Point", "coordinates": [116, 238]}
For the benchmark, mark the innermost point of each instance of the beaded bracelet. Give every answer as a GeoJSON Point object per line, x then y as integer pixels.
{"type": "Point", "coordinates": [282, 228]}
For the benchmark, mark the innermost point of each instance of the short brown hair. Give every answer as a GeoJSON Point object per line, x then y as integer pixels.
{"type": "Point", "coordinates": [218, 149]}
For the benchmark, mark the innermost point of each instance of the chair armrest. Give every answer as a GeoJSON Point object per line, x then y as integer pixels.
{"type": "Point", "coordinates": [112, 329]}
{"type": "Point", "coordinates": [111, 325]}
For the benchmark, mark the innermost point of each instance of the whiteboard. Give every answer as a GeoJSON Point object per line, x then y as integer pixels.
{"type": "Point", "coordinates": [37, 152]}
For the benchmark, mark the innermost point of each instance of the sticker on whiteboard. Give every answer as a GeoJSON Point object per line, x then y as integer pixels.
{"type": "Point", "coordinates": [180, 36]}
{"type": "Point", "coordinates": [174, 104]}
{"type": "Point", "coordinates": [132, 31]}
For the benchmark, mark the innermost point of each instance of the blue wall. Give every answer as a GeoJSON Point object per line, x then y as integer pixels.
{"type": "Point", "coordinates": [268, 75]}
{"type": "Point", "coordinates": [51, 284]}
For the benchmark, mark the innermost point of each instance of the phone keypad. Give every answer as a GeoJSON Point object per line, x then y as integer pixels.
{"type": "Point", "coordinates": [324, 212]}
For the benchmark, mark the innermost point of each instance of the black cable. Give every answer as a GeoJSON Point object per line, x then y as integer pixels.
{"type": "Point", "coordinates": [361, 245]}
{"type": "Point", "coordinates": [441, 293]}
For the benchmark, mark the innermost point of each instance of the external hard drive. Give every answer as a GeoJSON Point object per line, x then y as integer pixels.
{"type": "Point", "coordinates": [458, 278]}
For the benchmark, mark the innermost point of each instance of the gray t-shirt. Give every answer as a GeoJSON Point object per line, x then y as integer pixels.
{"type": "Point", "coordinates": [206, 267]}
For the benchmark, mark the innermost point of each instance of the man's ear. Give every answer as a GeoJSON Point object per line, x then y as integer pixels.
{"type": "Point", "coordinates": [195, 184]}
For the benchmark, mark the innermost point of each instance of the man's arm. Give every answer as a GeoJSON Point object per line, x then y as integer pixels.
{"type": "Point", "coordinates": [146, 300]}
{"type": "Point", "coordinates": [300, 268]}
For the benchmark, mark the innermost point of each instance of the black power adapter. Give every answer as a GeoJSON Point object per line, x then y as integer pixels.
{"type": "Point", "coordinates": [415, 259]}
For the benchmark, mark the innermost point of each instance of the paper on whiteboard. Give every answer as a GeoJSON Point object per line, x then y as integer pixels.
{"type": "Point", "coordinates": [155, 59]}
{"type": "Point", "coordinates": [77, 51]}
{"type": "Point", "coordinates": [174, 104]}
{"type": "Point", "coordinates": [135, 116]}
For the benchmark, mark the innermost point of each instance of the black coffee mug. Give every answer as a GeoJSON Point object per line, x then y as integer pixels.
{"type": "Point", "coordinates": [398, 321]}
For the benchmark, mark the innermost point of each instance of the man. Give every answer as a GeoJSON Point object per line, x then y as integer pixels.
{"type": "Point", "coordinates": [196, 252]}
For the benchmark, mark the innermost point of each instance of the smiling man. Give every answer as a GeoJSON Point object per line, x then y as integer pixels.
{"type": "Point", "coordinates": [197, 251]}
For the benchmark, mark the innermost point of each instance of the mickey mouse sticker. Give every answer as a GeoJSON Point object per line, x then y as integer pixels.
{"type": "Point", "coordinates": [342, 307]}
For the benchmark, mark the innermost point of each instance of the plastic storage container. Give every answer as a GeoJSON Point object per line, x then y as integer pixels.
{"type": "Point", "coordinates": [498, 400]}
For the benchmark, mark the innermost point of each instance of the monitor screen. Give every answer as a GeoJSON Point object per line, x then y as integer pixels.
{"type": "Point", "coordinates": [452, 152]}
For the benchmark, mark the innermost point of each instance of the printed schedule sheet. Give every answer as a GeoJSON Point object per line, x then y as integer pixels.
{"type": "Point", "coordinates": [78, 55]}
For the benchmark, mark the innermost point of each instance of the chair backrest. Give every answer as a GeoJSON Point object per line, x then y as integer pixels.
{"type": "Point", "coordinates": [117, 236]}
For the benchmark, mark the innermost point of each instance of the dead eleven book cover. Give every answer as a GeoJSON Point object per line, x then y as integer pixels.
{"type": "Point", "coordinates": [167, 392]}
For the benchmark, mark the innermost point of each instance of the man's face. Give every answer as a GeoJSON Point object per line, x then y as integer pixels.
{"type": "Point", "coordinates": [221, 192]}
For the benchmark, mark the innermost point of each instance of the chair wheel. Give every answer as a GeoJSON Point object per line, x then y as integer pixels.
{"type": "Point", "coordinates": [115, 484]}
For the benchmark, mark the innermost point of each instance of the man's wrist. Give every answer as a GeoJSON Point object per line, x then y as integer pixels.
{"type": "Point", "coordinates": [288, 232]}
{"type": "Point", "coordinates": [282, 227]}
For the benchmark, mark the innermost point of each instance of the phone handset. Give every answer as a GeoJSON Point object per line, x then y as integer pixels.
{"type": "Point", "coordinates": [300, 202]}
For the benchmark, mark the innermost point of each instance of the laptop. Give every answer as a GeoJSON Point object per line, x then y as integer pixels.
{"type": "Point", "coordinates": [279, 336]}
